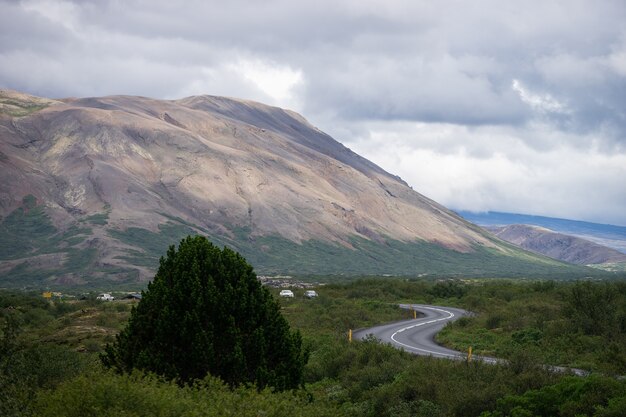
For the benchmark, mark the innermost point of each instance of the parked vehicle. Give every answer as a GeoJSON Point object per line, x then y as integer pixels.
{"type": "Point", "coordinates": [286, 293]}
{"type": "Point", "coordinates": [105, 297]}
{"type": "Point", "coordinates": [133, 296]}
{"type": "Point", "coordinates": [310, 294]}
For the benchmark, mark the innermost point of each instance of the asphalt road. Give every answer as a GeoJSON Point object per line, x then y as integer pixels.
{"type": "Point", "coordinates": [417, 335]}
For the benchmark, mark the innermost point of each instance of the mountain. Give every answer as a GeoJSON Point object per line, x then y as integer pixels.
{"type": "Point", "coordinates": [558, 245]}
{"type": "Point", "coordinates": [94, 190]}
{"type": "Point", "coordinates": [608, 235]}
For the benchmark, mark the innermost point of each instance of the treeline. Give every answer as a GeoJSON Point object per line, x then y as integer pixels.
{"type": "Point", "coordinates": [46, 370]}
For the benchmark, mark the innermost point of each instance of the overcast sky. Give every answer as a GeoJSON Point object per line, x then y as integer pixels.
{"type": "Point", "coordinates": [515, 106]}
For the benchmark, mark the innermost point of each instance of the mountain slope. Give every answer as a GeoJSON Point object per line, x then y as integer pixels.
{"type": "Point", "coordinates": [609, 235]}
{"type": "Point", "coordinates": [558, 245]}
{"type": "Point", "coordinates": [98, 188]}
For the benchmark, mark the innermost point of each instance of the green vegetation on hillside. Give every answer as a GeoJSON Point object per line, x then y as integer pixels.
{"type": "Point", "coordinates": [100, 219]}
{"type": "Point", "coordinates": [277, 255]}
{"type": "Point", "coordinates": [25, 230]}
{"type": "Point", "coordinates": [341, 378]}
{"type": "Point", "coordinates": [19, 108]}
{"type": "Point", "coordinates": [395, 258]}
{"type": "Point", "coordinates": [612, 267]}
{"type": "Point", "coordinates": [28, 232]}
{"type": "Point", "coordinates": [151, 245]}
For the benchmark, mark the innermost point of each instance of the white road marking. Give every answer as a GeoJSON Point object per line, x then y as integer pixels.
{"type": "Point", "coordinates": [450, 316]}
{"type": "Point", "coordinates": [460, 355]}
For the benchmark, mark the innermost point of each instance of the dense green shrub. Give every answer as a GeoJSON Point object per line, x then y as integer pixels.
{"type": "Point", "coordinates": [570, 397]}
{"type": "Point", "coordinates": [139, 395]}
{"type": "Point", "coordinates": [592, 308]}
{"type": "Point", "coordinates": [206, 312]}
{"type": "Point", "coordinates": [578, 324]}
{"type": "Point", "coordinates": [25, 369]}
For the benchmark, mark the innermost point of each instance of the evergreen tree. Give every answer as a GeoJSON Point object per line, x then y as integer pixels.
{"type": "Point", "coordinates": [206, 312]}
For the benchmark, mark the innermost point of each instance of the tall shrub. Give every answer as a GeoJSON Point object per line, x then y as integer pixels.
{"type": "Point", "coordinates": [206, 313]}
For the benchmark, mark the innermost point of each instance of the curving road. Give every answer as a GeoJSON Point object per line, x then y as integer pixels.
{"type": "Point", "coordinates": [417, 335]}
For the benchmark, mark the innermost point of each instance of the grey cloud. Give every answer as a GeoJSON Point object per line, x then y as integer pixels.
{"type": "Point", "coordinates": [445, 163]}
{"type": "Point", "coordinates": [414, 89]}
{"type": "Point", "coordinates": [268, 27]}
{"type": "Point", "coordinates": [595, 94]}
{"type": "Point", "coordinates": [22, 30]}
{"type": "Point", "coordinates": [434, 62]}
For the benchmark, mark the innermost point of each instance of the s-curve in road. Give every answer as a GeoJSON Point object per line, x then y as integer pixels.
{"type": "Point", "coordinates": [417, 335]}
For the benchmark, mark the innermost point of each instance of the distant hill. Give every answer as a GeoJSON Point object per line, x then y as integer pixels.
{"type": "Point", "coordinates": [557, 245]}
{"type": "Point", "coordinates": [603, 234]}
{"type": "Point", "coordinates": [94, 190]}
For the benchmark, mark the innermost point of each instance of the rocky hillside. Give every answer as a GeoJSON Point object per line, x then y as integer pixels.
{"type": "Point", "coordinates": [97, 188]}
{"type": "Point", "coordinates": [558, 245]}
{"type": "Point", "coordinates": [610, 235]}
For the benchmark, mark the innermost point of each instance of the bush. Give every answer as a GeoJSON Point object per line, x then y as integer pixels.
{"type": "Point", "coordinates": [572, 396]}
{"type": "Point", "coordinates": [206, 312]}
{"type": "Point", "coordinates": [139, 395]}
{"type": "Point", "coordinates": [25, 369]}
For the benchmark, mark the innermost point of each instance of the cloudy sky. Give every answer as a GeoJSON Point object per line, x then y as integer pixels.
{"type": "Point", "coordinates": [515, 106]}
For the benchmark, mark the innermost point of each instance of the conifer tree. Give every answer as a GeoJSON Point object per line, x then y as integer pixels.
{"type": "Point", "coordinates": [206, 312]}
